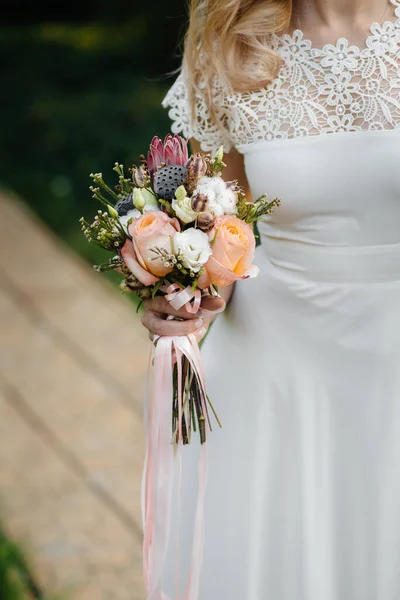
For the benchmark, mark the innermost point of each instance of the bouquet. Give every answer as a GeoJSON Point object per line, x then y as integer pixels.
{"type": "Point", "coordinates": [174, 227]}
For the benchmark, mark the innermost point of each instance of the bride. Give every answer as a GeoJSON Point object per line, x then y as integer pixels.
{"type": "Point", "coordinates": [303, 496]}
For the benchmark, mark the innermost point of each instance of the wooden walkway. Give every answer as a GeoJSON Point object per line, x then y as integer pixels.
{"type": "Point", "coordinates": [72, 365]}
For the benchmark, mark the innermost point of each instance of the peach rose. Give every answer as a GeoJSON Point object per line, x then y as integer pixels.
{"type": "Point", "coordinates": [153, 229]}
{"type": "Point", "coordinates": [232, 253]}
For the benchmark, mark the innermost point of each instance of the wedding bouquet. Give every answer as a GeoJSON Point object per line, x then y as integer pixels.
{"type": "Point", "coordinates": [175, 227]}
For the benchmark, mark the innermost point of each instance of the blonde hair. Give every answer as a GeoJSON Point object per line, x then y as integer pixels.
{"type": "Point", "coordinates": [227, 40]}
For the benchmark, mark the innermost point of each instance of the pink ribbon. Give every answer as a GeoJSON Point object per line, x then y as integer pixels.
{"type": "Point", "coordinates": [158, 472]}
{"type": "Point", "coordinates": [178, 297]}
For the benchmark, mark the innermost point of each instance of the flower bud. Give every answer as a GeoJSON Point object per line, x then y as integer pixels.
{"type": "Point", "coordinates": [219, 155]}
{"type": "Point", "coordinates": [197, 168]}
{"type": "Point", "coordinates": [124, 287]}
{"type": "Point", "coordinates": [199, 202]}
{"type": "Point", "coordinates": [232, 185]}
{"type": "Point", "coordinates": [205, 221]}
{"type": "Point", "coordinates": [134, 283]}
{"type": "Point", "coordinates": [112, 212]}
{"type": "Point", "coordinates": [140, 177]}
{"type": "Point", "coordinates": [180, 193]}
{"type": "Point", "coordinates": [144, 293]}
{"type": "Point", "coordinates": [138, 199]}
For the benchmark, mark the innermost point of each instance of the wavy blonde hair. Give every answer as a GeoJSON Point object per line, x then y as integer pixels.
{"type": "Point", "coordinates": [227, 40]}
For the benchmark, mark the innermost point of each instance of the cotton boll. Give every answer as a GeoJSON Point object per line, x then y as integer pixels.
{"type": "Point", "coordinates": [221, 199]}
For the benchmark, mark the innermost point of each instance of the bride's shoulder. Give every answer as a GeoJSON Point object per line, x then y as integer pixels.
{"type": "Point", "coordinates": [203, 116]}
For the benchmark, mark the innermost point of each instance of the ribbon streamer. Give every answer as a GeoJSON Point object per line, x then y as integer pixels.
{"type": "Point", "coordinates": [158, 472]}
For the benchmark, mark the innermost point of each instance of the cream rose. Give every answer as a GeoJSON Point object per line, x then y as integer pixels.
{"type": "Point", "coordinates": [183, 209]}
{"type": "Point", "coordinates": [194, 247]}
{"type": "Point", "coordinates": [154, 229]}
{"type": "Point", "coordinates": [232, 253]}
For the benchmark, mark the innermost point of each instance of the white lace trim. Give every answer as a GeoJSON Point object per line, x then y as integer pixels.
{"type": "Point", "coordinates": [318, 90]}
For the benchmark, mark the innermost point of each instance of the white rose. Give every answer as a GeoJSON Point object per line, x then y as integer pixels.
{"type": "Point", "coordinates": [131, 214]}
{"type": "Point", "coordinates": [221, 199]}
{"type": "Point", "coordinates": [194, 247]}
{"type": "Point", "coordinates": [134, 213]}
{"type": "Point", "coordinates": [183, 209]}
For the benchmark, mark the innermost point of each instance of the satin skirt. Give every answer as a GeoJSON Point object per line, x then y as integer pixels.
{"type": "Point", "coordinates": [303, 492]}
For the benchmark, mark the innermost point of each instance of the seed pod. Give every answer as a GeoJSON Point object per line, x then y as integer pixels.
{"type": "Point", "coordinates": [140, 176]}
{"type": "Point", "coordinates": [167, 179]}
{"type": "Point", "coordinates": [199, 203]}
{"type": "Point", "coordinates": [205, 221]}
{"type": "Point", "coordinates": [134, 283]}
{"type": "Point", "coordinates": [233, 185]}
{"type": "Point", "coordinates": [144, 293]}
{"type": "Point", "coordinates": [196, 168]}
{"type": "Point", "coordinates": [124, 287]}
{"type": "Point", "coordinates": [124, 205]}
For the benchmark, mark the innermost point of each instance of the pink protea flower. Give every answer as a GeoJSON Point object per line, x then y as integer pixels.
{"type": "Point", "coordinates": [173, 151]}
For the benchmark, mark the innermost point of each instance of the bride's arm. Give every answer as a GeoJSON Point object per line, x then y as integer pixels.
{"type": "Point", "coordinates": [157, 309]}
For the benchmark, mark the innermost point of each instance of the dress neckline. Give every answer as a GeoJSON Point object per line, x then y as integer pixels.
{"type": "Point", "coordinates": [378, 32]}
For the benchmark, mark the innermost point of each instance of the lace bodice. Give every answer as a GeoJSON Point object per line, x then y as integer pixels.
{"type": "Point", "coordinates": [337, 88]}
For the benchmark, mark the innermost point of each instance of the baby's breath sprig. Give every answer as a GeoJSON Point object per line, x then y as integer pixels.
{"type": "Point", "coordinates": [106, 231]}
{"type": "Point", "coordinates": [216, 164]}
{"type": "Point", "coordinates": [100, 183]}
{"type": "Point", "coordinates": [114, 263]}
{"type": "Point", "coordinates": [180, 274]}
{"type": "Point", "coordinates": [126, 184]}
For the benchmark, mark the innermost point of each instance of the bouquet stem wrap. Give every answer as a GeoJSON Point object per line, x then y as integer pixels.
{"type": "Point", "coordinates": [162, 451]}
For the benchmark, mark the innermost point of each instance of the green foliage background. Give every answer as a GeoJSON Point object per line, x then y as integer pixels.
{"type": "Point", "coordinates": [75, 98]}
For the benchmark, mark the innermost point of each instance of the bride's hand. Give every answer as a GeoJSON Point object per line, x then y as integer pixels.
{"type": "Point", "coordinates": [158, 309]}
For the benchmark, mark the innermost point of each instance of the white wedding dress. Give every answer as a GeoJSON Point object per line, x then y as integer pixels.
{"type": "Point", "coordinates": [303, 496]}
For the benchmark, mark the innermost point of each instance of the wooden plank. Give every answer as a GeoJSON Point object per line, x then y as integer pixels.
{"type": "Point", "coordinates": [74, 541]}
{"type": "Point", "coordinates": [57, 287]}
{"type": "Point", "coordinates": [101, 434]}
{"type": "Point", "coordinates": [72, 367]}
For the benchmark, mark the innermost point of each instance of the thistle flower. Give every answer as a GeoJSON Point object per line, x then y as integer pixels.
{"type": "Point", "coordinates": [173, 151]}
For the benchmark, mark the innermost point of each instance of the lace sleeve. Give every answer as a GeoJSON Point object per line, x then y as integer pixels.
{"type": "Point", "coordinates": [205, 131]}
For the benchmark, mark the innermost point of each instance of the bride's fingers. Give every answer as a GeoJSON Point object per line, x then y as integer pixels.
{"type": "Point", "coordinates": [212, 305]}
{"type": "Point", "coordinates": [200, 333]}
{"type": "Point", "coordinates": [155, 323]}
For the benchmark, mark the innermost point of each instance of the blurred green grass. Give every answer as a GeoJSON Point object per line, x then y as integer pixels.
{"type": "Point", "coordinates": [16, 580]}
{"type": "Point", "coordinates": [75, 99]}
